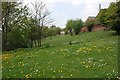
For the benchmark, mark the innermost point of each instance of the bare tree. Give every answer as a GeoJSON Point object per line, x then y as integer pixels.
{"type": "Point", "coordinates": [42, 18]}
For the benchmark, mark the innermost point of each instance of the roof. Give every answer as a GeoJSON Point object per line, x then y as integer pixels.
{"type": "Point", "coordinates": [90, 18]}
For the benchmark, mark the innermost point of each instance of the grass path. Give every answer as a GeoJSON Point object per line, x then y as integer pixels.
{"type": "Point", "coordinates": [91, 55]}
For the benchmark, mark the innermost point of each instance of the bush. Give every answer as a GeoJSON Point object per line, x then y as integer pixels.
{"type": "Point", "coordinates": [89, 24]}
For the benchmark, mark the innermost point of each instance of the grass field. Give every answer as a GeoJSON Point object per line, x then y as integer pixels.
{"type": "Point", "coordinates": [91, 55]}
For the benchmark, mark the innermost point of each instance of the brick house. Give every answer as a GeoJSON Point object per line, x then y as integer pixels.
{"type": "Point", "coordinates": [84, 29]}
{"type": "Point", "coordinates": [98, 28]}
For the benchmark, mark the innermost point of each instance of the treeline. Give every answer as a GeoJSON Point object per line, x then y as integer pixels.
{"type": "Point", "coordinates": [109, 18]}
{"type": "Point", "coordinates": [22, 28]}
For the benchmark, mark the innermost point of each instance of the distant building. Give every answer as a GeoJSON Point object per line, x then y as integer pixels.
{"type": "Point", "coordinates": [84, 29]}
{"type": "Point", "coordinates": [62, 32]}
{"type": "Point", "coordinates": [90, 18]}
{"type": "Point", "coordinates": [98, 28]}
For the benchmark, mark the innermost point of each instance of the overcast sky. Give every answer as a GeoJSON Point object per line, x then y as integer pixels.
{"type": "Point", "coordinates": [62, 10]}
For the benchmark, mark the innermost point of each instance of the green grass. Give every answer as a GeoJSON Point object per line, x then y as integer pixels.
{"type": "Point", "coordinates": [91, 55]}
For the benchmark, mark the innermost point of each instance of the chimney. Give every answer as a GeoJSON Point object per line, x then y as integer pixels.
{"type": "Point", "coordinates": [99, 7]}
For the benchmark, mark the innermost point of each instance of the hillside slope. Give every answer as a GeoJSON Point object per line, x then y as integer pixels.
{"type": "Point", "coordinates": [91, 55]}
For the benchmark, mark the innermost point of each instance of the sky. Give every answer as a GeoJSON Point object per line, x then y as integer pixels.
{"type": "Point", "coordinates": [63, 10]}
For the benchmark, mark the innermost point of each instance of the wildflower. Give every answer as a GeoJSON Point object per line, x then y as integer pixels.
{"type": "Point", "coordinates": [22, 64]}
{"type": "Point", "coordinates": [71, 75]}
{"type": "Point", "coordinates": [83, 62]}
{"type": "Point", "coordinates": [36, 70]}
{"type": "Point", "coordinates": [95, 46]}
{"type": "Point", "coordinates": [27, 76]}
{"type": "Point", "coordinates": [61, 76]}
{"type": "Point", "coordinates": [90, 49]}
{"type": "Point", "coordinates": [86, 66]}
{"type": "Point", "coordinates": [53, 76]}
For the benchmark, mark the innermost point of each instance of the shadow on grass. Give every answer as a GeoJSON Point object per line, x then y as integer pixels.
{"type": "Point", "coordinates": [46, 46]}
{"type": "Point", "coordinates": [113, 33]}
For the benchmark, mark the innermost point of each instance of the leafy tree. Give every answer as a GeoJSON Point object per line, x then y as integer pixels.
{"type": "Point", "coordinates": [70, 26]}
{"type": "Point", "coordinates": [78, 25]}
{"type": "Point", "coordinates": [74, 25]}
{"type": "Point", "coordinates": [100, 18]}
{"type": "Point", "coordinates": [113, 16]}
{"type": "Point", "coordinates": [89, 24]}
{"type": "Point", "coordinates": [66, 30]}
{"type": "Point", "coordinates": [57, 30]}
{"type": "Point", "coordinates": [53, 26]}
{"type": "Point", "coordinates": [45, 32]}
{"type": "Point", "coordinates": [13, 21]}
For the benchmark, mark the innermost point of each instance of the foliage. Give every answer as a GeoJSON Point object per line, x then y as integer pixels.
{"type": "Point", "coordinates": [89, 24]}
{"type": "Point", "coordinates": [100, 18]}
{"type": "Point", "coordinates": [41, 19]}
{"type": "Point", "coordinates": [14, 21]}
{"type": "Point", "coordinates": [113, 16]}
{"type": "Point", "coordinates": [110, 17]}
{"type": "Point", "coordinates": [20, 26]}
{"type": "Point", "coordinates": [66, 30]}
{"type": "Point", "coordinates": [74, 25]}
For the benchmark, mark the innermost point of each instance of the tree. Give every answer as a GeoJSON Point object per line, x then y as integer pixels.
{"type": "Point", "coordinates": [78, 25]}
{"type": "Point", "coordinates": [113, 16]}
{"type": "Point", "coordinates": [13, 22]}
{"type": "Point", "coordinates": [100, 18]}
{"type": "Point", "coordinates": [41, 16]}
{"type": "Point", "coordinates": [89, 24]}
{"type": "Point", "coordinates": [70, 26]}
{"type": "Point", "coordinates": [66, 30]}
{"type": "Point", "coordinates": [56, 30]}
{"type": "Point", "coordinates": [74, 25]}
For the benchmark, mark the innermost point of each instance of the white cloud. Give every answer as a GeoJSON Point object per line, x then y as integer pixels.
{"type": "Point", "coordinates": [73, 2]}
{"type": "Point", "coordinates": [91, 8]}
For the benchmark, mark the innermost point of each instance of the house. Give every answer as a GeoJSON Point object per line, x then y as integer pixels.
{"type": "Point", "coordinates": [90, 18]}
{"type": "Point", "coordinates": [98, 28]}
{"type": "Point", "coordinates": [62, 32]}
{"type": "Point", "coordinates": [84, 29]}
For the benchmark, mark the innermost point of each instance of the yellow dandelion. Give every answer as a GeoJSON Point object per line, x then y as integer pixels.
{"type": "Point", "coordinates": [27, 76]}
{"type": "Point", "coordinates": [90, 49]}
{"type": "Point", "coordinates": [83, 62]}
{"type": "Point", "coordinates": [86, 66]}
